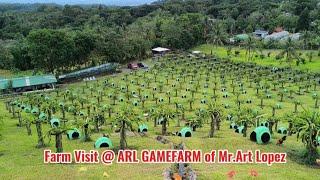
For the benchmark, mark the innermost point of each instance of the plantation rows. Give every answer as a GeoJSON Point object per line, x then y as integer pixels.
{"type": "Point", "coordinates": [178, 91]}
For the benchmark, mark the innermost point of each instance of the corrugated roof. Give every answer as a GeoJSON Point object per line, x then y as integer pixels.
{"type": "Point", "coordinates": [91, 71]}
{"type": "Point", "coordinates": [33, 81]}
{"type": "Point", "coordinates": [4, 84]}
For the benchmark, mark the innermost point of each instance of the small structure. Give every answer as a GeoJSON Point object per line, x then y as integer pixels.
{"type": "Point", "coordinates": [73, 134]}
{"type": "Point", "coordinates": [239, 129]}
{"type": "Point", "coordinates": [160, 51]}
{"type": "Point", "coordinates": [185, 132]}
{"type": "Point", "coordinates": [261, 135]}
{"type": "Point", "coordinates": [260, 33]}
{"type": "Point", "coordinates": [282, 130]}
{"type": "Point", "coordinates": [143, 128]}
{"type": "Point", "coordinates": [241, 37]}
{"type": "Point", "coordinates": [55, 123]}
{"type": "Point", "coordinates": [103, 142]}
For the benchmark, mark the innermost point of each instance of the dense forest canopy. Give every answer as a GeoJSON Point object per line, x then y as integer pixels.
{"type": "Point", "coordinates": [56, 38]}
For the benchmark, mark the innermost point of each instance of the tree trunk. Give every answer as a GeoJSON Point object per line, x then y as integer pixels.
{"type": "Point", "coordinates": [20, 120]}
{"type": "Point", "coordinates": [96, 124]}
{"type": "Point", "coordinates": [59, 142]}
{"type": "Point", "coordinates": [155, 122]}
{"type": "Point", "coordinates": [245, 127]}
{"type": "Point", "coordinates": [164, 127]}
{"type": "Point", "coordinates": [28, 126]}
{"type": "Point", "coordinates": [211, 132]}
{"type": "Point", "coordinates": [39, 132]}
{"type": "Point", "coordinates": [123, 143]}
{"type": "Point", "coordinates": [86, 133]}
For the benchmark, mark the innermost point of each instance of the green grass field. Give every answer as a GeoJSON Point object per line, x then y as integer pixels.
{"type": "Point", "coordinates": [267, 61]}
{"type": "Point", "coordinates": [19, 159]}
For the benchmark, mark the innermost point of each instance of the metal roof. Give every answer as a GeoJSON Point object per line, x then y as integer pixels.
{"type": "Point", "coordinates": [33, 81]}
{"type": "Point", "coordinates": [91, 71]}
{"type": "Point", "coordinates": [160, 49]}
{"type": "Point", "coordinates": [4, 84]}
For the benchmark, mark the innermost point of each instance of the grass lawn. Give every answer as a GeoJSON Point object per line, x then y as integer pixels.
{"type": "Point", "coordinates": [220, 51]}
{"type": "Point", "coordinates": [19, 159]}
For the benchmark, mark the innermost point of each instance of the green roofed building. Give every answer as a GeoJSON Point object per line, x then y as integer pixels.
{"type": "Point", "coordinates": [241, 37]}
{"type": "Point", "coordinates": [4, 84]}
{"type": "Point", "coordinates": [97, 70]}
{"type": "Point", "coordinates": [28, 83]}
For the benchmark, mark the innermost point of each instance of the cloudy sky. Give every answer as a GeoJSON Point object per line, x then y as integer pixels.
{"type": "Point", "coordinates": [107, 2]}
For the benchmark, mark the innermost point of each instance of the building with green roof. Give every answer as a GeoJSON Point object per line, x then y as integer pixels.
{"type": "Point", "coordinates": [28, 83]}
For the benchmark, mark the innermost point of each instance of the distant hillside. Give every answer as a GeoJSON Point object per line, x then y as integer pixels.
{"type": "Point", "coordinates": [72, 2]}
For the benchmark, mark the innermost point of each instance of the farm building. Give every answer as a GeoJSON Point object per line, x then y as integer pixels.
{"type": "Point", "coordinates": [277, 35]}
{"type": "Point", "coordinates": [4, 84]}
{"type": "Point", "coordinates": [78, 75]}
{"type": "Point", "coordinates": [160, 51]}
{"type": "Point", "coordinates": [28, 83]}
{"type": "Point", "coordinates": [260, 33]}
{"type": "Point", "coordinates": [241, 37]}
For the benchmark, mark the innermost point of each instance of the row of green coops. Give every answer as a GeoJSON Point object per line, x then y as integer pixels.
{"type": "Point", "coordinates": [179, 91]}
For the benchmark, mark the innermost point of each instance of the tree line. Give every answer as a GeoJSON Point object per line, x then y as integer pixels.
{"type": "Point", "coordinates": [57, 39]}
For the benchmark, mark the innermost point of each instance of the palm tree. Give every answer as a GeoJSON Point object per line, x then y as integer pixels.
{"type": "Point", "coordinates": [250, 46]}
{"type": "Point", "coordinates": [289, 51]}
{"type": "Point", "coordinates": [308, 129]}
{"type": "Point", "coordinates": [217, 34]}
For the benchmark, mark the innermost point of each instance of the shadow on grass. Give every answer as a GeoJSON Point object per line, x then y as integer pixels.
{"type": "Point", "coordinates": [299, 156]}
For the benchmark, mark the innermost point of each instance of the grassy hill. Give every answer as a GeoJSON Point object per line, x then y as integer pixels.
{"type": "Point", "coordinates": [220, 51]}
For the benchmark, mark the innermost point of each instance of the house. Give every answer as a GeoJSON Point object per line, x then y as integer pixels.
{"type": "Point", "coordinates": [277, 36]}
{"type": "Point", "coordinates": [260, 33]}
{"type": "Point", "coordinates": [160, 51]}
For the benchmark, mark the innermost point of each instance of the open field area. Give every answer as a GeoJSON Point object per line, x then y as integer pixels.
{"type": "Point", "coordinates": [221, 51]}
{"type": "Point", "coordinates": [182, 90]}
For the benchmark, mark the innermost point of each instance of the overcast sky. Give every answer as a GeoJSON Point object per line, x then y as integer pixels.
{"type": "Point", "coordinates": [107, 2]}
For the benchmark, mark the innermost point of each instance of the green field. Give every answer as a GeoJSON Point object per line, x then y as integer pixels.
{"type": "Point", "coordinates": [19, 159]}
{"type": "Point", "coordinates": [267, 61]}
